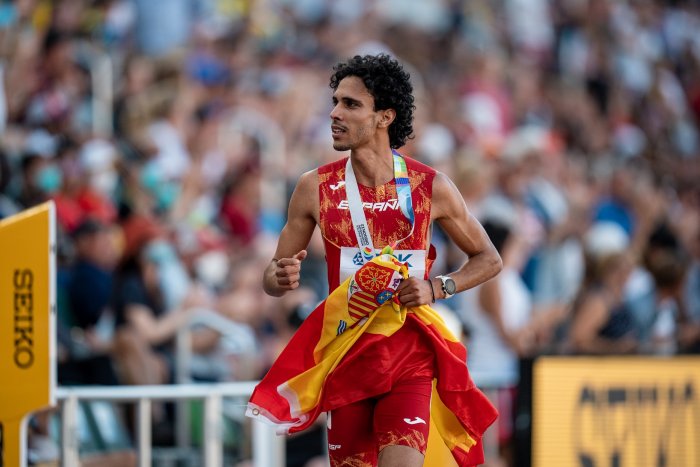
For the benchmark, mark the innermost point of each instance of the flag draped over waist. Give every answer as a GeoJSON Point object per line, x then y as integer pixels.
{"type": "Point", "coordinates": [360, 313]}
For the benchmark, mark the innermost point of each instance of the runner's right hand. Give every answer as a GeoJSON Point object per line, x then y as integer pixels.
{"type": "Point", "coordinates": [288, 271]}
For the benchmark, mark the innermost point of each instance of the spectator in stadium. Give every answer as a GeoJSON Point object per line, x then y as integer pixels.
{"type": "Point", "coordinates": [41, 178]}
{"type": "Point", "coordinates": [84, 291]}
{"type": "Point", "coordinates": [672, 328]}
{"type": "Point", "coordinates": [689, 337]}
{"type": "Point", "coordinates": [89, 183]}
{"type": "Point", "coordinates": [90, 286]}
{"type": "Point", "coordinates": [503, 321]}
{"type": "Point", "coordinates": [145, 327]}
{"type": "Point", "coordinates": [601, 322]}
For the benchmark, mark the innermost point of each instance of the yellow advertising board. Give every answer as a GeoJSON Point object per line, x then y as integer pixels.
{"type": "Point", "coordinates": [616, 411]}
{"type": "Point", "coordinates": [27, 323]}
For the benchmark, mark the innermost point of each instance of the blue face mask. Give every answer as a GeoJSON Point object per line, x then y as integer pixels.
{"type": "Point", "coordinates": [163, 191]}
{"type": "Point", "coordinates": [166, 195]}
{"type": "Point", "coordinates": [48, 179]}
{"type": "Point", "coordinates": [150, 178]}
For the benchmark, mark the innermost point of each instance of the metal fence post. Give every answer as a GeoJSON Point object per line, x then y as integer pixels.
{"type": "Point", "coordinates": [69, 432]}
{"type": "Point", "coordinates": [144, 432]}
{"type": "Point", "coordinates": [213, 436]}
{"type": "Point", "coordinates": [183, 349]}
{"type": "Point", "coordinates": [268, 448]}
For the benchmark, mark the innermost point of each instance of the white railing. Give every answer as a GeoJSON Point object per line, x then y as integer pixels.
{"type": "Point", "coordinates": [268, 448]}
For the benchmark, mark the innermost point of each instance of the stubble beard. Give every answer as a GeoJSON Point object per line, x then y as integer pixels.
{"type": "Point", "coordinates": [346, 145]}
{"type": "Point", "coordinates": [338, 146]}
{"type": "Point", "coordinates": [354, 142]}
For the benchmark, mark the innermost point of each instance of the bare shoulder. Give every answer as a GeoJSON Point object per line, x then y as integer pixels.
{"type": "Point", "coordinates": [308, 182]}
{"type": "Point", "coordinates": [305, 197]}
{"type": "Point", "coordinates": [442, 184]}
{"type": "Point", "coordinates": [447, 200]}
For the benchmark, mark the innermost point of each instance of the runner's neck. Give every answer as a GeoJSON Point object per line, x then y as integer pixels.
{"type": "Point", "coordinates": [372, 168]}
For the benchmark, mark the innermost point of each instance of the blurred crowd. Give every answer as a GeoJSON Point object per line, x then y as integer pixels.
{"type": "Point", "coordinates": [170, 134]}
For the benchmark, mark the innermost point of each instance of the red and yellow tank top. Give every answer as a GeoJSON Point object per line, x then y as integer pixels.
{"type": "Point", "coordinates": [386, 222]}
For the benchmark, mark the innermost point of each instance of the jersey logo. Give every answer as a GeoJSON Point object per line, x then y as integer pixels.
{"type": "Point", "coordinates": [338, 185]}
{"type": "Point", "coordinates": [392, 204]}
{"type": "Point", "coordinates": [402, 257]}
{"type": "Point", "coordinates": [357, 259]}
{"type": "Point", "coordinates": [351, 260]}
{"type": "Point", "coordinates": [415, 421]}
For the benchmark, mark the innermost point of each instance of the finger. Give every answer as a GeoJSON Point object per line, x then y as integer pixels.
{"type": "Point", "coordinates": [286, 280]}
{"type": "Point", "coordinates": [288, 285]}
{"type": "Point", "coordinates": [415, 298]}
{"type": "Point", "coordinates": [407, 297]}
{"type": "Point", "coordinates": [288, 270]}
{"type": "Point", "coordinates": [301, 255]}
{"type": "Point", "coordinates": [283, 262]}
{"type": "Point", "coordinates": [406, 283]}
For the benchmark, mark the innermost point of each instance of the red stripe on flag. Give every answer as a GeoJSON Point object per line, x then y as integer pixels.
{"type": "Point", "coordinates": [359, 307]}
{"type": "Point", "coordinates": [357, 315]}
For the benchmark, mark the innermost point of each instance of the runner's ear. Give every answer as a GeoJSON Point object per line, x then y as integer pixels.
{"type": "Point", "coordinates": [386, 118]}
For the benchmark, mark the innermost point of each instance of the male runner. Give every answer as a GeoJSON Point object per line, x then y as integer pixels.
{"type": "Point", "coordinates": [373, 199]}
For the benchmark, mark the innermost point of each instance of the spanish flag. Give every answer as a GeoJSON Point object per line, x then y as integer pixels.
{"type": "Point", "coordinates": [315, 373]}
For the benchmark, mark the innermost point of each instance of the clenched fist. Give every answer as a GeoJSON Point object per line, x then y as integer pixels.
{"type": "Point", "coordinates": [415, 292]}
{"type": "Point", "coordinates": [288, 271]}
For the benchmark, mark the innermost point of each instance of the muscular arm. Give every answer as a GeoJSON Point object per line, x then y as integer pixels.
{"type": "Point", "coordinates": [283, 272]}
{"type": "Point", "coordinates": [484, 262]}
{"type": "Point", "coordinates": [451, 213]}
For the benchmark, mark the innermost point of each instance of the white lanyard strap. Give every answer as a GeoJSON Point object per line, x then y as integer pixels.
{"type": "Point", "coordinates": [357, 212]}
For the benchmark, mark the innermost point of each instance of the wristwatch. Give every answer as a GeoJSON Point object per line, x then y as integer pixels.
{"type": "Point", "coordinates": [449, 288]}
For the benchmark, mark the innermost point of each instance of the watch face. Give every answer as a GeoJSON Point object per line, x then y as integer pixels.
{"type": "Point", "coordinates": [450, 287]}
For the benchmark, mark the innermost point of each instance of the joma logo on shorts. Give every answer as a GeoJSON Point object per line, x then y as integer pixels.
{"type": "Point", "coordinates": [334, 447]}
{"type": "Point", "coordinates": [415, 421]}
{"type": "Point", "coordinates": [392, 204]}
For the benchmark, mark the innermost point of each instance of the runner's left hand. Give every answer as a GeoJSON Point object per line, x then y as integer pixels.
{"type": "Point", "coordinates": [414, 292]}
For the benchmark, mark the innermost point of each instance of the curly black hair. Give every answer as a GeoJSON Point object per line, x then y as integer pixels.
{"type": "Point", "coordinates": [389, 84]}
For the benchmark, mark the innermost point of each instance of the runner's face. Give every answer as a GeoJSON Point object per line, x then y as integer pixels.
{"type": "Point", "coordinates": [353, 118]}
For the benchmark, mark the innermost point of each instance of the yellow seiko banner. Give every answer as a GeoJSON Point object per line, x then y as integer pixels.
{"type": "Point", "coordinates": [27, 323]}
{"type": "Point", "coordinates": [616, 411]}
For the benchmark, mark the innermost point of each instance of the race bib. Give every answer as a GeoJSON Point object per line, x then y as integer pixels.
{"type": "Point", "coordinates": [351, 259]}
